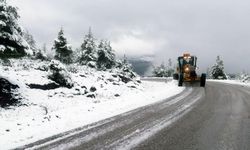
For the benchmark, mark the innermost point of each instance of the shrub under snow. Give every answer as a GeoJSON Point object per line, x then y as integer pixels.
{"type": "Point", "coordinates": [59, 74]}
{"type": "Point", "coordinates": [124, 71]}
{"type": "Point", "coordinates": [8, 92]}
{"type": "Point", "coordinates": [245, 78]}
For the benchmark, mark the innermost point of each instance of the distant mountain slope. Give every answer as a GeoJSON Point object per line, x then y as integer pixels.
{"type": "Point", "coordinates": [141, 64]}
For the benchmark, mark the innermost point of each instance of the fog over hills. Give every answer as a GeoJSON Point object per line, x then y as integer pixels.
{"type": "Point", "coordinates": [163, 28]}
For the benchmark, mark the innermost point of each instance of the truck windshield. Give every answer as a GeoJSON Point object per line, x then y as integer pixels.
{"type": "Point", "coordinates": [189, 61]}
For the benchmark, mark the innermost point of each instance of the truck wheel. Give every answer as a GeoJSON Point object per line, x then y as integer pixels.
{"type": "Point", "coordinates": [203, 80]}
{"type": "Point", "coordinates": [176, 76]}
{"type": "Point", "coordinates": [180, 83]}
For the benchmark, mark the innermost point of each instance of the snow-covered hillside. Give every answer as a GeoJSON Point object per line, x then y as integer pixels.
{"type": "Point", "coordinates": [95, 95]}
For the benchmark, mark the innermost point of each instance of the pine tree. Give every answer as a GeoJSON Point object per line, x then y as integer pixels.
{"type": "Point", "coordinates": [164, 70]}
{"type": "Point", "coordinates": [126, 71]}
{"type": "Point", "coordinates": [105, 56]}
{"type": "Point", "coordinates": [170, 70]}
{"type": "Point", "coordinates": [41, 53]}
{"type": "Point", "coordinates": [218, 70]}
{"type": "Point", "coordinates": [62, 48]}
{"type": "Point", "coordinates": [12, 43]}
{"type": "Point", "coordinates": [126, 66]}
{"type": "Point", "coordinates": [170, 63]}
{"type": "Point", "coordinates": [88, 51]}
{"type": "Point", "coordinates": [76, 55]}
{"type": "Point", "coordinates": [30, 40]}
{"type": "Point", "coordinates": [160, 71]}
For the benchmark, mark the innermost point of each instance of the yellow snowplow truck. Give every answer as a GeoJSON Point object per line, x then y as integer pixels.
{"type": "Point", "coordinates": [186, 71]}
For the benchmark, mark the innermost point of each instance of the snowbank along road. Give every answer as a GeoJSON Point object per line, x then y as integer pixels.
{"type": "Point", "coordinates": [215, 117]}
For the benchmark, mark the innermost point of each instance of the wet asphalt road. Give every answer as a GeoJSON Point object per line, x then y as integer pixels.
{"type": "Point", "coordinates": [215, 117]}
{"type": "Point", "coordinates": [221, 121]}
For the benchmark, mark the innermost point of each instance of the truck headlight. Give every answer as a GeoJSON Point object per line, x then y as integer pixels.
{"type": "Point", "coordinates": [186, 69]}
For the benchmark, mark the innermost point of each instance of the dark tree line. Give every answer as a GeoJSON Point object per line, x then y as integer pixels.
{"type": "Point", "coordinates": [164, 70]}
{"type": "Point", "coordinates": [16, 43]}
{"type": "Point", "coordinates": [96, 55]}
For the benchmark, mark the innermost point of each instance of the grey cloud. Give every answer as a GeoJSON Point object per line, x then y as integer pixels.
{"type": "Point", "coordinates": [205, 28]}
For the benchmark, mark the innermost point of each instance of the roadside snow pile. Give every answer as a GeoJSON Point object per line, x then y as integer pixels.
{"type": "Point", "coordinates": [238, 82]}
{"type": "Point", "coordinates": [243, 79]}
{"type": "Point", "coordinates": [49, 108]}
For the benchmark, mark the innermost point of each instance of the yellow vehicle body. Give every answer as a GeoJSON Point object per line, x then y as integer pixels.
{"type": "Point", "coordinates": [186, 70]}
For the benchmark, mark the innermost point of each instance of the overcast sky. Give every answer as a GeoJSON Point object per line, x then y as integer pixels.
{"type": "Point", "coordinates": [164, 28]}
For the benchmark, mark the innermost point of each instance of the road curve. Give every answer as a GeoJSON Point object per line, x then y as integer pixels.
{"type": "Point", "coordinates": [220, 122]}
{"type": "Point", "coordinates": [215, 117]}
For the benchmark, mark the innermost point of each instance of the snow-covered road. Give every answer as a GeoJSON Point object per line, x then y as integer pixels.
{"type": "Point", "coordinates": [215, 117]}
{"type": "Point", "coordinates": [51, 116]}
{"type": "Point", "coordinates": [221, 120]}
{"type": "Point", "coordinates": [126, 130]}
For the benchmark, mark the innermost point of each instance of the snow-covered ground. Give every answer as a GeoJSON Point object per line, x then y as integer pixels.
{"type": "Point", "coordinates": [49, 112]}
{"type": "Point", "coordinates": [239, 82]}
